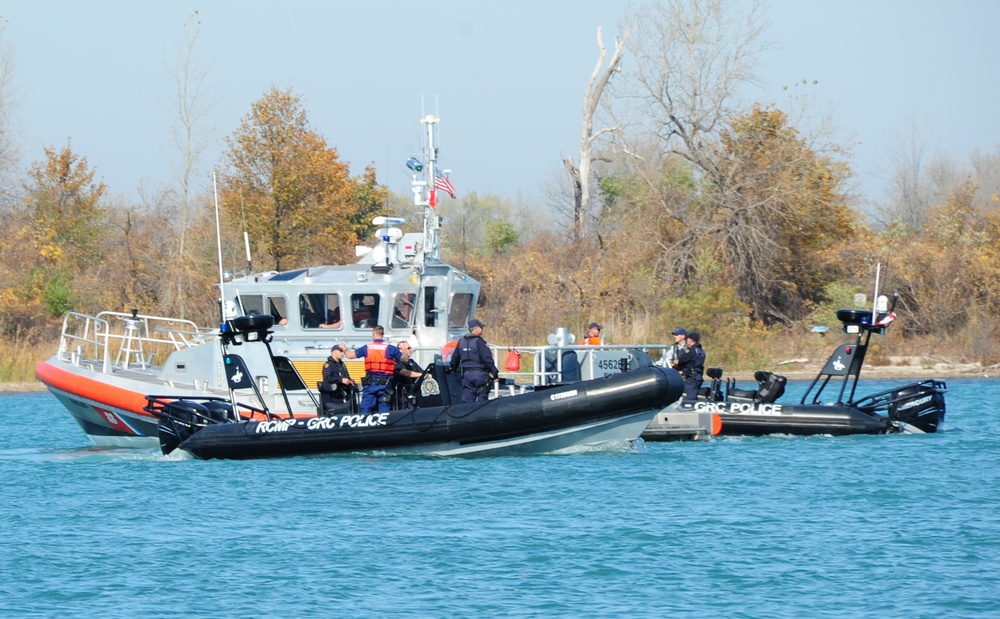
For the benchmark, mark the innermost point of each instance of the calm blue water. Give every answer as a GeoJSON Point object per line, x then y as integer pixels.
{"type": "Point", "coordinates": [882, 526]}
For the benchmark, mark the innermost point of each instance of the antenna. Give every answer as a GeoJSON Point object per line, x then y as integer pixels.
{"type": "Point", "coordinates": [878, 272]}
{"type": "Point", "coordinates": [246, 237]}
{"type": "Point", "coordinates": [218, 245]}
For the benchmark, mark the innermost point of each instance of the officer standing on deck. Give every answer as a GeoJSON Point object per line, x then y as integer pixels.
{"type": "Point", "coordinates": [380, 357]}
{"type": "Point", "coordinates": [477, 364]}
{"type": "Point", "coordinates": [679, 344]}
{"type": "Point", "coordinates": [405, 375]}
{"type": "Point", "coordinates": [335, 374]}
{"type": "Point", "coordinates": [691, 365]}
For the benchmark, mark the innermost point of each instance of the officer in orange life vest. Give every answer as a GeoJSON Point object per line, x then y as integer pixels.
{"type": "Point", "coordinates": [380, 362]}
{"type": "Point", "coordinates": [593, 335]}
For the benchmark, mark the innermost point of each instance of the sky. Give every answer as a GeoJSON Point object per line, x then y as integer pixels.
{"type": "Point", "coordinates": [506, 78]}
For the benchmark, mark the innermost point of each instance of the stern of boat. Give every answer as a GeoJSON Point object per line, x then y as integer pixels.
{"type": "Point", "coordinates": [917, 408]}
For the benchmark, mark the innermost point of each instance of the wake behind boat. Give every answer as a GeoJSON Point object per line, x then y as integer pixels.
{"type": "Point", "coordinates": [917, 407]}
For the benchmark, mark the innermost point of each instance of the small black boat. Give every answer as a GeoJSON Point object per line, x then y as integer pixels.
{"type": "Point", "coordinates": [585, 414]}
{"type": "Point", "coordinates": [917, 407]}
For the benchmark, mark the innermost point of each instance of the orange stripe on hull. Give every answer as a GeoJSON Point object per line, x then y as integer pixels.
{"type": "Point", "coordinates": [90, 389]}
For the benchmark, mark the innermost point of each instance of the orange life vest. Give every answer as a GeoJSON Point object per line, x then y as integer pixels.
{"type": "Point", "coordinates": [448, 350]}
{"type": "Point", "coordinates": [592, 341]}
{"type": "Point", "coordinates": [375, 360]}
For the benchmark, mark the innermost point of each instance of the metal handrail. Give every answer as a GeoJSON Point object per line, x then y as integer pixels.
{"type": "Point", "coordinates": [535, 357]}
{"type": "Point", "coordinates": [91, 337]}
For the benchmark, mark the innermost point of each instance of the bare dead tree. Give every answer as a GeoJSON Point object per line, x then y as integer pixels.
{"type": "Point", "coordinates": [191, 108]}
{"type": "Point", "coordinates": [581, 178]}
{"type": "Point", "coordinates": [9, 152]}
{"type": "Point", "coordinates": [692, 60]}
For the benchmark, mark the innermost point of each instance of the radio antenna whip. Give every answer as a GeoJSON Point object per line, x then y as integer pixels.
{"type": "Point", "coordinates": [246, 237]}
{"type": "Point", "coordinates": [218, 245]}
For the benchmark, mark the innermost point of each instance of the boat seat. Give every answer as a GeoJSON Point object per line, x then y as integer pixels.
{"type": "Point", "coordinates": [736, 394]}
{"type": "Point", "coordinates": [334, 401]}
{"type": "Point", "coordinates": [746, 394]}
{"type": "Point", "coordinates": [772, 386]}
{"type": "Point", "coordinates": [713, 393]}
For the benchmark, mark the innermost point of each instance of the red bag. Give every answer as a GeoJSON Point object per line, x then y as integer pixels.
{"type": "Point", "coordinates": [513, 361]}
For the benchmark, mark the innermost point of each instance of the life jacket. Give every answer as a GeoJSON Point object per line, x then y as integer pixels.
{"type": "Point", "coordinates": [695, 366]}
{"type": "Point", "coordinates": [375, 360]}
{"type": "Point", "coordinates": [468, 353]}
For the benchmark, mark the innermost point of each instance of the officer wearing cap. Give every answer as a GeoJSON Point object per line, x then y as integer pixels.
{"type": "Point", "coordinates": [673, 351]}
{"type": "Point", "coordinates": [474, 357]}
{"type": "Point", "coordinates": [691, 365]}
{"type": "Point", "coordinates": [335, 373]}
{"type": "Point", "coordinates": [593, 335]}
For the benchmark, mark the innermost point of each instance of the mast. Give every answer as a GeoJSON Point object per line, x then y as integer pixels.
{"type": "Point", "coordinates": [432, 222]}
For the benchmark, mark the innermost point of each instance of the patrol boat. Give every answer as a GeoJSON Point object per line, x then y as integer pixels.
{"type": "Point", "coordinates": [434, 421]}
{"type": "Point", "coordinates": [916, 408]}
{"type": "Point", "coordinates": [108, 362]}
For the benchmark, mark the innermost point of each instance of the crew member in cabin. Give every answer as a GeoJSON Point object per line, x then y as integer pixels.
{"type": "Point", "coordinates": [474, 357]}
{"type": "Point", "coordinates": [335, 374]}
{"type": "Point", "coordinates": [380, 357]}
{"type": "Point", "coordinates": [406, 373]}
{"type": "Point", "coordinates": [332, 319]}
{"type": "Point", "coordinates": [593, 335]}
{"type": "Point", "coordinates": [278, 318]}
{"type": "Point", "coordinates": [680, 335]}
{"type": "Point", "coordinates": [691, 365]}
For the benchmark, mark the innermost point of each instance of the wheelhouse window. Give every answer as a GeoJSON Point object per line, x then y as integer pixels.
{"type": "Point", "coordinates": [364, 310]}
{"type": "Point", "coordinates": [402, 310]}
{"type": "Point", "coordinates": [320, 311]}
{"type": "Point", "coordinates": [461, 310]}
{"type": "Point", "coordinates": [430, 315]}
{"type": "Point", "coordinates": [274, 305]}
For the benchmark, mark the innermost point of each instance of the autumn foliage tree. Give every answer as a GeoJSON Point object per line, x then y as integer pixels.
{"type": "Point", "coordinates": [775, 210]}
{"type": "Point", "coordinates": [63, 224]}
{"type": "Point", "coordinates": [295, 195]}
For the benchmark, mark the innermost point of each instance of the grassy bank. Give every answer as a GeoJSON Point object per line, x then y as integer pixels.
{"type": "Point", "coordinates": [18, 361]}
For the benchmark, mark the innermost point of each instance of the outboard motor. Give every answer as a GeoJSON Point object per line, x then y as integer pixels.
{"type": "Point", "coordinates": [178, 421]}
{"type": "Point", "coordinates": [918, 407]}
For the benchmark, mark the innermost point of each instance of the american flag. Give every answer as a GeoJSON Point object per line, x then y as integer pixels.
{"type": "Point", "coordinates": [442, 183]}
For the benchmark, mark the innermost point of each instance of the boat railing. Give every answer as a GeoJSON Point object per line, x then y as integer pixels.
{"type": "Point", "coordinates": [550, 365]}
{"type": "Point", "coordinates": [124, 340]}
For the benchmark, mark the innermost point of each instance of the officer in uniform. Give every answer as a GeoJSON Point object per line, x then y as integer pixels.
{"type": "Point", "coordinates": [691, 365]}
{"type": "Point", "coordinates": [380, 358]}
{"type": "Point", "coordinates": [593, 335]}
{"type": "Point", "coordinates": [335, 373]}
{"type": "Point", "coordinates": [476, 361]}
{"type": "Point", "coordinates": [680, 335]}
{"type": "Point", "coordinates": [406, 373]}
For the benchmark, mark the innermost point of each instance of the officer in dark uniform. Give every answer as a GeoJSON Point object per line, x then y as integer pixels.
{"type": "Point", "coordinates": [691, 365]}
{"type": "Point", "coordinates": [476, 361]}
{"type": "Point", "coordinates": [335, 372]}
{"type": "Point", "coordinates": [406, 373]}
{"type": "Point", "coordinates": [335, 375]}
